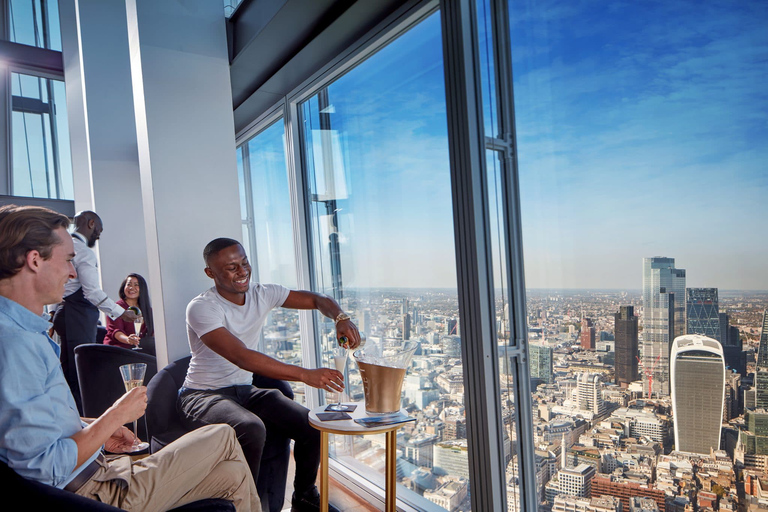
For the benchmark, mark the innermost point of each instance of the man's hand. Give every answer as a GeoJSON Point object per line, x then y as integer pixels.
{"type": "Point", "coordinates": [346, 329]}
{"type": "Point", "coordinates": [324, 378]}
{"type": "Point", "coordinates": [128, 315]}
{"type": "Point", "coordinates": [121, 441]}
{"type": "Point", "coordinates": [131, 406]}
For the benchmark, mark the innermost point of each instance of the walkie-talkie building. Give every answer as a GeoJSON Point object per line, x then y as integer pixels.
{"type": "Point", "coordinates": [698, 390]}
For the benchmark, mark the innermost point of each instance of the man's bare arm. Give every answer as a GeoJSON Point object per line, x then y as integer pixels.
{"type": "Point", "coordinates": [302, 299]}
{"type": "Point", "coordinates": [231, 348]}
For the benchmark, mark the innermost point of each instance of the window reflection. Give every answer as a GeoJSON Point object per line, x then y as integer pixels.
{"type": "Point", "coordinates": [35, 23]}
{"type": "Point", "coordinates": [268, 236]}
{"type": "Point", "coordinates": [40, 139]}
{"type": "Point", "coordinates": [376, 157]}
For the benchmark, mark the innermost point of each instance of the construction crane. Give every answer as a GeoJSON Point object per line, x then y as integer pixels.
{"type": "Point", "coordinates": [649, 372]}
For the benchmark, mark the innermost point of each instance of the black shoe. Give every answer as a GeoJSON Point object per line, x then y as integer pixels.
{"type": "Point", "coordinates": [309, 502]}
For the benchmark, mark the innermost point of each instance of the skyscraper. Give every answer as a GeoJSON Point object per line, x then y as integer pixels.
{"type": "Point", "coordinates": [762, 350]}
{"type": "Point", "coordinates": [733, 347]}
{"type": "Point", "coordinates": [698, 393]}
{"type": "Point", "coordinates": [587, 334]}
{"type": "Point", "coordinates": [625, 331]}
{"type": "Point", "coordinates": [663, 318]}
{"type": "Point", "coordinates": [541, 364]}
{"type": "Point", "coordinates": [406, 326]}
{"type": "Point", "coordinates": [761, 374]}
{"type": "Point", "coordinates": [702, 312]}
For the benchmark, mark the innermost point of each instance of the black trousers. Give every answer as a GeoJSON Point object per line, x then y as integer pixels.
{"type": "Point", "coordinates": [75, 321]}
{"type": "Point", "coordinates": [260, 417]}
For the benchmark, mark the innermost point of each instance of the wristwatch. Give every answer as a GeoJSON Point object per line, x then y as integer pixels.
{"type": "Point", "coordinates": [341, 316]}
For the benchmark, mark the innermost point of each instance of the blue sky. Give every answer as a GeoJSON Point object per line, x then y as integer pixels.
{"type": "Point", "coordinates": [642, 131]}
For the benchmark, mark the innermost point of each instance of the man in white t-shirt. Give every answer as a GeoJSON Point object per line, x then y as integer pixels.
{"type": "Point", "coordinates": [224, 325]}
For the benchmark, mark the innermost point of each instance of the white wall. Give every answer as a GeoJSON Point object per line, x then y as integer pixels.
{"type": "Point", "coordinates": [186, 142]}
{"type": "Point", "coordinates": [103, 133]}
{"type": "Point", "coordinates": [153, 143]}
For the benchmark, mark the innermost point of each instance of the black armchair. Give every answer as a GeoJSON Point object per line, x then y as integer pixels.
{"type": "Point", "coordinates": [99, 377]}
{"type": "Point", "coordinates": [165, 426]}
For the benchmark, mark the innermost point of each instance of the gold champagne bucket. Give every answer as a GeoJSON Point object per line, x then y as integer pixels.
{"type": "Point", "coordinates": [382, 365]}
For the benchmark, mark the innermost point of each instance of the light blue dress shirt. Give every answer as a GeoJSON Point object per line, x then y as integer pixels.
{"type": "Point", "coordinates": [38, 415]}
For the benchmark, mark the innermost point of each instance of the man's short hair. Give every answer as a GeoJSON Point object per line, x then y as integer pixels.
{"type": "Point", "coordinates": [217, 245]}
{"type": "Point", "coordinates": [24, 229]}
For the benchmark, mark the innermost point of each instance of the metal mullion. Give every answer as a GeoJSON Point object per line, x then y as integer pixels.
{"type": "Point", "coordinates": [54, 139]}
{"type": "Point", "coordinates": [302, 240]}
{"type": "Point", "coordinates": [473, 254]}
{"type": "Point", "coordinates": [6, 145]}
{"type": "Point", "coordinates": [514, 250]}
{"type": "Point", "coordinates": [250, 217]}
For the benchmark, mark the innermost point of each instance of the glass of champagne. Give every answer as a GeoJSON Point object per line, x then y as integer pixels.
{"type": "Point", "coordinates": [340, 355]}
{"type": "Point", "coordinates": [137, 324]}
{"type": "Point", "coordinates": [133, 377]}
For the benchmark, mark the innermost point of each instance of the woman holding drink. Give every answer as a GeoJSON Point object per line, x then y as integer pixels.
{"type": "Point", "coordinates": [134, 293]}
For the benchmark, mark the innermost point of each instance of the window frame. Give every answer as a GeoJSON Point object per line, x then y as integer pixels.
{"type": "Point", "coordinates": [28, 60]}
{"type": "Point", "coordinates": [477, 304]}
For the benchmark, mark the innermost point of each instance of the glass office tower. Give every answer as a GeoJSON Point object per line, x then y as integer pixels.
{"type": "Point", "coordinates": [664, 316]}
{"type": "Point", "coordinates": [702, 313]}
{"type": "Point", "coordinates": [541, 361]}
{"type": "Point", "coordinates": [698, 390]}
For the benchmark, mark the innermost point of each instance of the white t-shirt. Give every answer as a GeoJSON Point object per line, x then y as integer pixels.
{"type": "Point", "coordinates": [210, 311]}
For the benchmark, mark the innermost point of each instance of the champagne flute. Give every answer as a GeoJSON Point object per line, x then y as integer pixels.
{"type": "Point", "coordinates": [340, 355]}
{"type": "Point", "coordinates": [137, 327]}
{"type": "Point", "coordinates": [137, 324]}
{"type": "Point", "coordinates": [133, 377]}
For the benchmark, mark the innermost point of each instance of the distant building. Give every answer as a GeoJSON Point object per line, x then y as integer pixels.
{"type": "Point", "coordinates": [761, 374]}
{"type": "Point", "coordinates": [587, 335]}
{"type": "Point", "coordinates": [406, 326]}
{"type": "Point", "coordinates": [702, 312]}
{"type": "Point", "coordinates": [733, 404]}
{"type": "Point", "coordinates": [761, 388]}
{"type": "Point", "coordinates": [698, 391]}
{"type": "Point", "coordinates": [449, 495]}
{"type": "Point", "coordinates": [663, 318]}
{"type": "Point", "coordinates": [733, 347]}
{"type": "Point", "coordinates": [590, 394]}
{"type": "Point", "coordinates": [419, 449]}
{"type": "Point", "coordinates": [625, 490]}
{"type": "Point", "coordinates": [452, 458]}
{"type": "Point", "coordinates": [573, 504]}
{"type": "Point", "coordinates": [576, 481]}
{"type": "Point", "coordinates": [752, 447]}
{"type": "Point", "coordinates": [638, 504]}
{"type": "Point", "coordinates": [626, 347]}
{"type": "Point", "coordinates": [762, 350]}
{"type": "Point", "coordinates": [541, 363]}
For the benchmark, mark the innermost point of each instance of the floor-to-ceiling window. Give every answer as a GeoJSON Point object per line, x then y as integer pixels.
{"type": "Point", "coordinates": [37, 141]}
{"type": "Point", "coordinates": [268, 235]}
{"type": "Point", "coordinates": [378, 182]}
{"type": "Point", "coordinates": [642, 142]}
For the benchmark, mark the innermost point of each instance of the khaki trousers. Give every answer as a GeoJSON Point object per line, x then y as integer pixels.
{"type": "Point", "coordinates": [205, 463]}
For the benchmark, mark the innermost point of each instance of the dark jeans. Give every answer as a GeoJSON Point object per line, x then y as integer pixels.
{"type": "Point", "coordinates": [75, 322]}
{"type": "Point", "coordinates": [258, 417]}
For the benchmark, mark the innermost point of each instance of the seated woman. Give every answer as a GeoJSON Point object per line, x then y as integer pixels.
{"type": "Point", "coordinates": [133, 293]}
